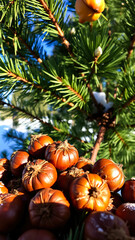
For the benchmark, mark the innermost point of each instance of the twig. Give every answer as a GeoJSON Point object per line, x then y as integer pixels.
{"type": "Point", "coordinates": [99, 139]}
{"type": "Point", "coordinates": [121, 139]}
{"type": "Point", "coordinates": [11, 74]}
{"type": "Point", "coordinates": [39, 119]}
{"type": "Point", "coordinates": [72, 90]}
{"type": "Point", "coordinates": [131, 46]}
{"type": "Point", "coordinates": [98, 106]}
{"type": "Point", "coordinates": [60, 32]}
{"type": "Point", "coordinates": [28, 47]}
{"type": "Point", "coordinates": [132, 99]}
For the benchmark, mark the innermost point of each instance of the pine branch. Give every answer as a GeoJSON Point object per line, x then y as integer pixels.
{"type": "Point", "coordinates": [28, 47]}
{"type": "Point", "coordinates": [37, 118]}
{"type": "Point", "coordinates": [28, 114]}
{"type": "Point", "coordinates": [15, 76]}
{"type": "Point", "coordinates": [37, 86]}
{"type": "Point", "coordinates": [107, 121]}
{"type": "Point", "coordinates": [30, 50]}
{"type": "Point", "coordinates": [60, 32]}
{"type": "Point", "coordinates": [99, 106]}
{"type": "Point", "coordinates": [120, 137]}
{"type": "Point", "coordinates": [132, 99]}
{"type": "Point", "coordinates": [103, 129]}
{"type": "Point", "coordinates": [72, 90]}
{"type": "Point", "coordinates": [19, 53]}
{"type": "Point", "coordinates": [18, 138]}
{"type": "Point", "coordinates": [93, 70]}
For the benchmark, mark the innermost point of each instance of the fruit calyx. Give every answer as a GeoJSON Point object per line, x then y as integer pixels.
{"type": "Point", "coordinates": [64, 146]}
{"type": "Point", "coordinates": [33, 169]}
{"type": "Point", "coordinates": [94, 192]}
{"type": "Point", "coordinates": [75, 172]}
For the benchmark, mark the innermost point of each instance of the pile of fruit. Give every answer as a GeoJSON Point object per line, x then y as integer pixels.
{"type": "Point", "coordinates": [50, 192]}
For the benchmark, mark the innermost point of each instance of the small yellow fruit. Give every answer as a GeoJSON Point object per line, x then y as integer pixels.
{"type": "Point", "coordinates": [89, 10]}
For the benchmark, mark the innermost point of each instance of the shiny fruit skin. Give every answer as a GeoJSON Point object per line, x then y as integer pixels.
{"type": "Point", "coordinates": [90, 192]}
{"type": "Point", "coordinates": [128, 191]}
{"type": "Point", "coordinates": [102, 224]}
{"type": "Point", "coordinates": [49, 209]}
{"type": "Point", "coordinates": [38, 145]}
{"type": "Point", "coordinates": [11, 211]}
{"type": "Point", "coordinates": [96, 5]}
{"type": "Point", "coordinates": [85, 13]}
{"type": "Point", "coordinates": [126, 211]}
{"type": "Point", "coordinates": [111, 172]}
{"type": "Point", "coordinates": [3, 188]}
{"type": "Point", "coordinates": [85, 164]}
{"type": "Point", "coordinates": [38, 174]}
{"type": "Point", "coordinates": [66, 177]}
{"type": "Point", "coordinates": [62, 155]}
{"type": "Point", "coordinates": [18, 161]}
{"type": "Point", "coordinates": [5, 171]}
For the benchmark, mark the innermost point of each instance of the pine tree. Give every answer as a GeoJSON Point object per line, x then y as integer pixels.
{"type": "Point", "coordinates": [84, 91]}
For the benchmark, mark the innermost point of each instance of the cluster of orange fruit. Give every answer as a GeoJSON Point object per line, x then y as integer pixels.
{"type": "Point", "coordinates": [43, 188]}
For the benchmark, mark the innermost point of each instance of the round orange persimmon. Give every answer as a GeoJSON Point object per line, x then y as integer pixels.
{"type": "Point", "coordinates": [38, 144]}
{"type": "Point", "coordinates": [89, 10]}
{"type": "Point", "coordinates": [111, 172]}
{"type": "Point", "coordinates": [90, 192]}
{"type": "Point", "coordinates": [62, 155]}
{"type": "Point", "coordinates": [38, 174]}
{"type": "Point", "coordinates": [85, 164]}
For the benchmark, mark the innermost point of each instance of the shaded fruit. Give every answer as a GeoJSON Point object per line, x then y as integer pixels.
{"type": "Point", "coordinates": [49, 209]}
{"type": "Point", "coordinates": [111, 172]}
{"type": "Point", "coordinates": [101, 225]}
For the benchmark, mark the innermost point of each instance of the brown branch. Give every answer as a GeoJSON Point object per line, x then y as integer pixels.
{"type": "Point", "coordinates": [27, 113]}
{"type": "Point", "coordinates": [120, 137]}
{"type": "Point", "coordinates": [30, 50]}
{"type": "Point", "coordinates": [72, 90]}
{"type": "Point", "coordinates": [11, 74]}
{"type": "Point", "coordinates": [59, 30]}
{"type": "Point", "coordinates": [37, 86]}
{"type": "Point", "coordinates": [132, 99]}
{"type": "Point", "coordinates": [27, 46]}
{"type": "Point", "coordinates": [99, 139]}
{"type": "Point", "coordinates": [39, 119]}
{"type": "Point", "coordinates": [132, 45]}
{"type": "Point", "coordinates": [106, 121]}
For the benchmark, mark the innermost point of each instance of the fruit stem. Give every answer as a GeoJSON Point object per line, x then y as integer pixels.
{"type": "Point", "coordinates": [104, 17]}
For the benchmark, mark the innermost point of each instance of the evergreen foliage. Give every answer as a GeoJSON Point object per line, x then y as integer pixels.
{"type": "Point", "coordinates": [57, 90]}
